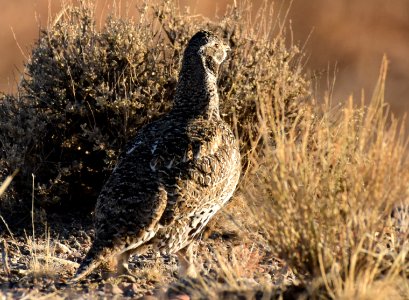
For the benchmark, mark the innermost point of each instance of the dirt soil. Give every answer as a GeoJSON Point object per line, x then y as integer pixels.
{"type": "Point", "coordinates": [232, 265]}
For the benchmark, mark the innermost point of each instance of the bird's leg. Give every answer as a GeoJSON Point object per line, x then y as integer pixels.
{"type": "Point", "coordinates": [123, 258]}
{"type": "Point", "coordinates": [123, 268]}
{"type": "Point", "coordinates": [122, 264]}
{"type": "Point", "coordinates": [186, 264]}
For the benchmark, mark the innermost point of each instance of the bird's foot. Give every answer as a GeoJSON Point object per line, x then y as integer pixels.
{"type": "Point", "coordinates": [187, 268]}
{"type": "Point", "coordinates": [127, 278]}
{"type": "Point", "coordinates": [188, 271]}
{"type": "Point", "coordinates": [125, 274]}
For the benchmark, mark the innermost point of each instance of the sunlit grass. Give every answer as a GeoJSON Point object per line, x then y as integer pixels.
{"type": "Point", "coordinates": [325, 193]}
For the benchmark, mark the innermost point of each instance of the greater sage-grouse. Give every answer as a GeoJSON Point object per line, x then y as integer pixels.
{"type": "Point", "coordinates": [177, 173]}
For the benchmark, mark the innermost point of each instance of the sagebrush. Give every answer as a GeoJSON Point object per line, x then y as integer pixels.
{"type": "Point", "coordinates": [87, 90]}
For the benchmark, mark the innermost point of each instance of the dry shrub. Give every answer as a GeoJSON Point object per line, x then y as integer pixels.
{"type": "Point", "coordinates": [87, 90]}
{"type": "Point", "coordinates": [325, 193]}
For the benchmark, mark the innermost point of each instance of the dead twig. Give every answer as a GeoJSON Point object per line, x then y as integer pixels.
{"type": "Point", "coordinates": [4, 257]}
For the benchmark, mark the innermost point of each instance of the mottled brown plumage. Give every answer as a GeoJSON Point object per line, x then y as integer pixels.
{"type": "Point", "coordinates": [178, 172]}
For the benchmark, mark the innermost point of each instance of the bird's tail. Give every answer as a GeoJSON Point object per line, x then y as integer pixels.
{"type": "Point", "coordinates": [95, 256]}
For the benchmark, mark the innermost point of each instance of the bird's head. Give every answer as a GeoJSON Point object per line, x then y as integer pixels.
{"type": "Point", "coordinates": [210, 48]}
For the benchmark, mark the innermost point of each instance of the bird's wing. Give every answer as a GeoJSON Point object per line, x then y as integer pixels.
{"type": "Point", "coordinates": [134, 198]}
{"type": "Point", "coordinates": [190, 169]}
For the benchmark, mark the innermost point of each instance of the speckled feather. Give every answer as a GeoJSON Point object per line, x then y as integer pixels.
{"type": "Point", "coordinates": [178, 171]}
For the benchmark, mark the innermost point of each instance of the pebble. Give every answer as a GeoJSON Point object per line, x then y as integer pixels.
{"type": "Point", "coordinates": [112, 288]}
{"type": "Point", "coordinates": [61, 248]}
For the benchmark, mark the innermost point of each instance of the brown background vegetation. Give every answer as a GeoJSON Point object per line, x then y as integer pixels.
{"type": "Point", "coordinates": [354, 35]}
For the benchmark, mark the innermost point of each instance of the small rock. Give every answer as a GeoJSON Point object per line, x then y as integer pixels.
{"type": "Point", "coordinates": [112, 288]}
{"type": "Point", "coordinates": [148, 297]}
{"type": "Point", "coordinates": [130, 290]}
{"type": "Point", "coordinates": [61, 248]}
{"type": "Point", "coordinates": [180, 297]}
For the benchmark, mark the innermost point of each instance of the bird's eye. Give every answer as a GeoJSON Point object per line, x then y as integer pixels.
{"type": "Point", "coordinates": [217, 45]}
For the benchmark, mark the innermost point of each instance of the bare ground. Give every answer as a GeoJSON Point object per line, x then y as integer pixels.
{"type": "Point", "coordinates": [233, 264]}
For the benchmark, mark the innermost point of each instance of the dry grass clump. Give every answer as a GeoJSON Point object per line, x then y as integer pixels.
{"type": "Point", "coordinates": [325, 193]}
{"type": "Point", "coordinates": [87, 90]}
{"type": "Point", "coordinates": [42, 255]}
{"type": "Point", "coordinates": [227, 273]}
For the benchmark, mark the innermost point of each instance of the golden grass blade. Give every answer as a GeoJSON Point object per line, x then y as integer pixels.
{"type": "Point", "coordinates": [7, 182]}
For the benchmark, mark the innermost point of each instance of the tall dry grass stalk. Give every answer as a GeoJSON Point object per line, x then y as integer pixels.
{"type": "Point", "coordinates": [6, 182]}
{"type": "Point", "coordinates": [325, 192]}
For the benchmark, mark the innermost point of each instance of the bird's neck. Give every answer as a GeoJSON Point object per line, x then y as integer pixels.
{"type": "Point", "coordinates": [196, 92]}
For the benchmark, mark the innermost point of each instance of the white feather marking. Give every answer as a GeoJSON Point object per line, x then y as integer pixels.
{"type": "Point", "coordinates": [207, 212]}
{"type": "Point", "coordinates": [168, 166]}
{"type": "Point", "coordinates": [197, 154]}
{"type": "Point", "coordinates": [153, 149]}
{"type": "Point", "coordinates": [133, 147]}
{"type": "Point", "coordinates": [153, 164]}
{"type": "Point", "coordinates": [146, 237]}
